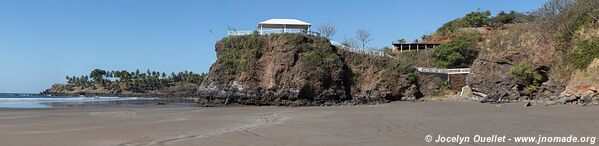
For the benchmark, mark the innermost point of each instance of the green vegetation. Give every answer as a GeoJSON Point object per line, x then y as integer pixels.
{"type": "Point", "coordinates": [239, 52]}
{"type": "Point", "coordinates": [413, 78]}
{"type": "Point", "coordinates": [443, 86]}
{"type": "Point", "coordinates": [584, 50]}
{"type": "Point", "coordinates": [513, 97]}
{"type": "Point", "coordinates": [134, 81]}
{"type": "Point", "coordinates": [561, 19]}
{"type": "Point", "coordinates": [396, 69]}
{"type": "Point", "coordinates": [478, 19]}
{"type": "Point", "coordinates": [526, 77]}
{"type": "Point", "coordinates": [457, 53]}
{"type": "Point", "coordinates": [583, 53]}
{"type": "Point", "coordinates": [318, 56]}
{"type": "Point", "coordinates": [97, 75]}
{"type": "Point", "coordinates": [403, 68]}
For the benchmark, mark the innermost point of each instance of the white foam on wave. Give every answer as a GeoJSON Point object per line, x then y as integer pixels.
{"type": "Point", "coordinates": [17, 100]}
{"type": "Point", "coordinates": [69, 99]}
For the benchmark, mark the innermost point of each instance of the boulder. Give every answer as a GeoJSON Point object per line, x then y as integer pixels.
{"type": "Point", "coordinates": [567, 98]}
{"type": "Point", "coordinates": [587, 96]}
{"type": "Point", "coordinates": [527, 104]}
{"type": "Point", "coordinates": [466, 91]}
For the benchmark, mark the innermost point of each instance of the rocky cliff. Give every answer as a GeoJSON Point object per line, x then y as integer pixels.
{"type": "Point", "coordinates": [294, 70]}
{"type": "Point", "coordinates": [535, 60]}
{"type": "Point", "coordinates": [503, 51]}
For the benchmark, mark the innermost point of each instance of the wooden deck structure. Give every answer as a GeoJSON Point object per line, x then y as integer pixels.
{"type": "Point", "coordinates": [398, 46]}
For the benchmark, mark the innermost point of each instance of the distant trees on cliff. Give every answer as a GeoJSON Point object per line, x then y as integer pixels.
{"type": "Point", "coordinates": [363, 36]}
{"type": "Point", "coordinates": [327, 30]}
{"type": "Point", "coordinates": [150, 80]}
{"type": "Point", "coordinates": [479, 19]}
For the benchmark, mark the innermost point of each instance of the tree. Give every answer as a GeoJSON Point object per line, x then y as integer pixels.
{"type": "Point", "coordinates": [69, 80]}
{"type": "Point", "coordinates": [477, 19]}
{"type": "Point", "coordinates": [425, 37]}
{"type": "Point", "coordinates": [327, 30]}
{"type": "Point", "coordinates": [363, 36]}
{"type": "Point", "coordinates": [402, 41]}
{"type": "Point", "coordinates": [98, 75]}
{"type": "Point", "coordinates": [457, 53]}
{"type": "Point", "coordinates": [553, 7]}
{"type": "Point", "coordinates": [350, 42]}
{"type": "Point", "coordinates": [504, 18]}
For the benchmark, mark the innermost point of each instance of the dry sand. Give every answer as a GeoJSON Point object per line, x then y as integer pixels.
{"type": "Point", "coordinates": [393, 124]}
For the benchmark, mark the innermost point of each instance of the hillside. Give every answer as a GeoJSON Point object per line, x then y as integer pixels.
{"type": "Point", "coordinates": [536, 59]}
{"type": "Point", "coordinates": [516, 56]}
{"type": "Point", "coordinates": [294, 69]}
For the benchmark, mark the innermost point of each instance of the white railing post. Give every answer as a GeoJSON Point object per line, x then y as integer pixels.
{"type": "Point", "coordinates": [444, 71]}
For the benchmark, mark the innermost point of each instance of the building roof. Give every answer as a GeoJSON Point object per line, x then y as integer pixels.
{"type": "Point", "coordinates": [287, 23]}
{"type": "Point", "coordinates": [415, 43]}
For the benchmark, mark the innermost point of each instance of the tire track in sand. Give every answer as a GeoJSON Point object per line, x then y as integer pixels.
{"type": "Point", "coordinates": [259, 122]}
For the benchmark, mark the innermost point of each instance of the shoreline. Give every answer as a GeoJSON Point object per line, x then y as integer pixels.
{"type": "Point", "coordinates": [121, 95]}
{"type": "Point", "coordinates": [193, 101]}
{"type": "Point", "coordinates": [381, 124]}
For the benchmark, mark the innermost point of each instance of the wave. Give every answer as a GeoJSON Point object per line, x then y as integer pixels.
{"type": "Point", "coordinates": [60, 99]}
{"type": "Point", "coordinates": [24, 100]}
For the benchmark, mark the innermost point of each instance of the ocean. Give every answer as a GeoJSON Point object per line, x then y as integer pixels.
{"type": "Point", "coordinates": [25, 100]}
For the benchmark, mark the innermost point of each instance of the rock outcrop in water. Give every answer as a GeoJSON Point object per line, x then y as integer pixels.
{"type": "Point", "coordinates": [132, 84]}
{"type": "Point", "coordinates": [295, 70]}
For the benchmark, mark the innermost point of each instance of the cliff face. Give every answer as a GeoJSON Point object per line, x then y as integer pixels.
{"type": "Point", "coordinates": [538, 59]}
{"type": "Point", "coordinates": [379, 79]}
{"type": "Point", "coordinates": [293, 69]}
{"type": "Point", "coordinates": [505, 50]}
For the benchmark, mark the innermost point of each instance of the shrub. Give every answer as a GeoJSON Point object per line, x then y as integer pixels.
{"type": "Point", "coordinates": [402, 68]}
{"type": "Point", "coordinates": [239, 52]}
{"type": "Point", "coordinates": [478, 19]}
{"type": "Point", "coordinates": [442, 86]}
{"type": "Point", "coordinates": [324, 61]}
{"type": "Point", "coordinates": [526, 77]}
{"type": "Point", "coordinates": [504, 18]}
{"type": "Point", "coordinates": [413, 78]}
{"type": "Point", "coordinates": [358, 60]}
{"type": "Point", "coordinates": [513, 97]}
{"type": "Point", "coordinates": [457, 53]}
{"type": "Point", "coordinates": [583, 54]}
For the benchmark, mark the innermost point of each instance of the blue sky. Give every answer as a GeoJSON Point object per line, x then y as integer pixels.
{"type": "Point", "coordinates": [42, 41]}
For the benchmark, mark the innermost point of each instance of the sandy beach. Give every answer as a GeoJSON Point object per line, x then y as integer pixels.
{"type": "Point", "coordinates": [398, 123]}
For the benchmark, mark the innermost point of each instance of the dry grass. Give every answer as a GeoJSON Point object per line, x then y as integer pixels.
{"type": "Point", "coordinates": [585, 78]}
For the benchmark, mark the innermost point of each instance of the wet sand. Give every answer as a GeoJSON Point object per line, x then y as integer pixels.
{"type": "Point", "coordinates": [398, 123]}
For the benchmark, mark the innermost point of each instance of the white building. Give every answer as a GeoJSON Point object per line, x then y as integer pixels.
{"type": "Point", "coordinates": [278, 26]}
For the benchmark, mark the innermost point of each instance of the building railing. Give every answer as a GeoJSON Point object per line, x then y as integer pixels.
{"type": "Point", "coordinates": [444, 71]}
{"type": "Point", "coordinates": [361, 51]}
{"type": "Point", "coordinates": [270, 32]}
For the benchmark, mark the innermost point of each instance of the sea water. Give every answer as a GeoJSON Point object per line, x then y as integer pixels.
{"type": "Point", "coordinates": [24, 100]}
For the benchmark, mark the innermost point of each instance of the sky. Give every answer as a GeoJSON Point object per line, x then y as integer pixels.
{"type": "Point", "coordinates": [42, 41]}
